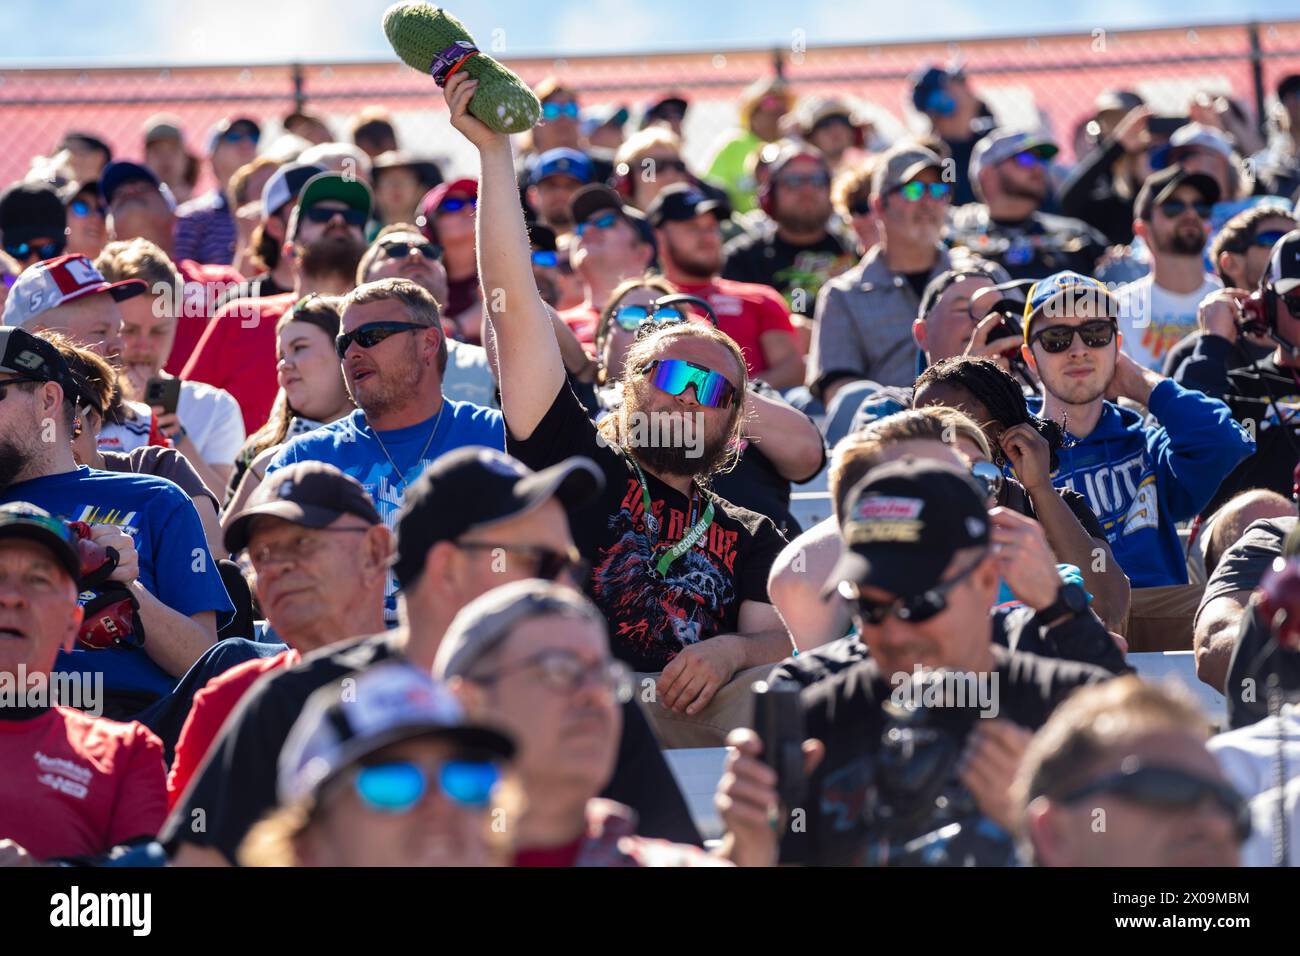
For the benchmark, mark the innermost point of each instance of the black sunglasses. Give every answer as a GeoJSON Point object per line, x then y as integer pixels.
{"type": "Point", "coordinates": [914, 610]}
{"type": "Point", "coordinates": [46, 250]}
{"type": "Point", "coordinates": [1173, 208]}
{"type": "Point", "coordinates": [549, 564]}
{"type": "Point", "coordinates": [1096, 334]}
{"type": "Point", "coordinates": [371, 334]}
{"type": "Point", "coordinates": [323, 214]}
{"type": "Point", "coordinates": [400, 250]}
{"type": "Point", "coordinates": [1171, 788]}
{"type": "Point", "coordinates": [17, 380]}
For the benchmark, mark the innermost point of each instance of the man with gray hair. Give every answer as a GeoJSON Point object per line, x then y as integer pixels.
{"type": "Point", "coordinates": [533, 657]}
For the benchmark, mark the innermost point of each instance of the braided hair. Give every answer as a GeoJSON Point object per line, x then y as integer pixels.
{"type": "Point", "coordinates": [998, 391]}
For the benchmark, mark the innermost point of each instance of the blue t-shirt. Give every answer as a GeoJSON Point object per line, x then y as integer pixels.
{"type": "Point", "coordinates": [175, 565]}
{"type": "Point", "coordinates": [350, 445]}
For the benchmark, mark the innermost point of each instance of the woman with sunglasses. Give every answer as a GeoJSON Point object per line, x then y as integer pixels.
{"type": "Point", "coordinates": [87, 231]}
{"type": "Point", "coordinates": [312, 391]}
{"type": "Point", "coordinates": [447, 219]}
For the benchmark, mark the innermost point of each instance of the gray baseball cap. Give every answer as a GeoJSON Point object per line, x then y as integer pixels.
{"type": "Point", "coordinates": [900, 164]}
{"type": "Point", "coordinates": [1003, 143]}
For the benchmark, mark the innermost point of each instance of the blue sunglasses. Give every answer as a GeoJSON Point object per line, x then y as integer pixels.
{"type": "Point", "coordinates": [553, 111]}
{"type": "Point", "coordinates": [398, 787]}
{"type": "Point", "coordinates": [605, 221]}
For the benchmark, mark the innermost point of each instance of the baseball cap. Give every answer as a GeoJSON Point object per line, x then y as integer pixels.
{"type": "Point", "coordinates": [671, 100]}
{"type": "Point", "coordinates": [599, 116]}
{"type": "Point", "coordinates": [31, 210]}
{"type": "Point", "coordinates": [474, 487]}
{"type": "Point", "coordinates": [901, 163]}
{"type": "Point", "coordinates": [435, 196]}
{"type": "Point", "coordinates": [902, 524]}
{"type": "Point", "coordinates": [343, 723]}
{"type": "Point", "coordinates": [930, 89]}
{"type": "Point", "coordinates": [86, 140]}
{"type": "Point", "coordinates": [561, 161]}
{"type": "Point", "coordinates": [681, 202]}
{"type": "Point", "coordinates": [28, 355]}
{"type": "Point", "coordinates": [1288, 85]}
{"type": "Point", "coordinates": [821, 109]}
{"type": "Point", "coordinates": [788, 155]}
{"type": "Point", "coordinates": [1282, 274]}
{"type": "Point", "coordinates": [1114, 101]}
{"type": "Point", "coordinates": [285, 184]}
{"type": "Point", "coordinates": [595, 197]}
{"type": "Point", "coordinates": [1061, 284]}
{"type": "Point", "coordinates": [309, 493]}
{"type": "Point", "coordinates": [1003, 143]}
{"type": "Point", "coordinates": [242, 124]}
{"type": "Point", "coordinates": [19, 519]}
{"type": "Point", "coordinates": [486, 621]}
{"type": "Point", "coordinates": [1161, 184]}
{"type": "Point", "coordinates": [120, 172]}
{"type": "Point", "coordinates": [47, 285]}
{"type": "Point", "coordinates": [1188, 137]}
{"type": "Point", "coordinates": [350, 191]}
{"type": "Point", "coordinates": [162, 126]}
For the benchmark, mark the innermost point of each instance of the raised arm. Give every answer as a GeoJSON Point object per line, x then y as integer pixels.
{"type": "Point", "coordinates": [531, 371]}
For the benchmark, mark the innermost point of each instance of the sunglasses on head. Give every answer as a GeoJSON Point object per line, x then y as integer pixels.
{"type": "Point", "coordinates": [795, 180]}
{"type": "Point", "coordinates": [674, 376]}
{"type": "Point", "coordinates": [553, 111]}
{"type": "Point", "coordinates": [323, 214]}
{"type": "Point", "coordinates": [915, 609]}
{"type": "Point", "coordinates": [371, 334]}
{"type": "Point", "coordinates": [1096, 334]}
{"type": "Point", "coordinates": [400, 250]}
{"type": "Point", "coordinates": [914, 191]}
{"type": "Point", "coordinates": [45, 250]}
{"type": "Point", "coordinates": [1171, 788]}
{"type": "Point", "coordinates": [631, 317]}
{"type": "Point", "coordinates": [1173, 208]}
{"type": "Point", "coordinates": [81, 209]}
{"type": "Point", "coordinates": [603, 221]}
{"type": "Point", "coordinates": [398, 787]}
{"type": "Point", "coordinates": [456, 204]}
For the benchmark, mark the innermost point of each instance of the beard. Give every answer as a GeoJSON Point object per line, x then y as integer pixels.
{"type": "Point", "coordinates": [13, 462]}
{"type": "Point", "coordinates": [1180, 242]}
{"type": "Point", "coordinates": [805, 218]}
{"type": "Point", "coordinates": [333, 255]}
{"type": "Point", "coordinates": [1016, 190]}
{"type": "Point", "coordinates": [387, 389]}
{"type": "Point", "coordinates": [705, 440]}
{"type": "Point", "coordinates": [695, 265]}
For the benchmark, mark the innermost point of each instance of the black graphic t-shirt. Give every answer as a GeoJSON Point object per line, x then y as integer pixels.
{"type": "Point", "coordinates": [651, 617]}
{"type": "Point", "coordinates": [797, 272]}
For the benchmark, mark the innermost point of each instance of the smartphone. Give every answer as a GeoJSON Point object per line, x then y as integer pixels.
{"type": "Point", "coordinates": [779, 723]}
{"type": "Point", "coordinates": [165, 392]}
{"type": "Point", "coordinates": [1165, 125]}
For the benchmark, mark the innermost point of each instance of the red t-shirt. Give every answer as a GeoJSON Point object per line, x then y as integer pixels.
{"type": "Point", "coordinates": [237, 353]}
{"type": "Point", "coordinates": [208, 712]}
{"type": "Point", "coordinates": [205, 285]}
{"type": "Point", "coordinates": [583, 320]}
{"type": "Point", "coordinates": [75, 785]}
{"type": "Point", "coordinates": [745, 311]}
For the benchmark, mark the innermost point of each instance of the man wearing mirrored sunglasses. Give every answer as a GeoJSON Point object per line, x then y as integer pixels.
{"type": "Point", "coordinates": [801, 244]}
{"type": "Point", "coordinates": [1172, 216]}
{"type": "Point", "coordinates": [533, 658]}
{"type": "Point", "coordinates": [1140, 479]}
{"type": "Point", "coordinates": [1009, 170]}
{"type": "Point", "coordinates": [205, 226]}
{"type": "Point", "coordinates": [919, 572]}
{"type": "Point", "coordinates": [324, 242]}
{"type": "Point", "coordinates": [1120, 776]}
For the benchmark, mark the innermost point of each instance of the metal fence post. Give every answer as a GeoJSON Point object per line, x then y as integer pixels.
{"type": "Point", "coordinates": [299, 95]}
{"type": "Point", "coordinates": [1257, 77]}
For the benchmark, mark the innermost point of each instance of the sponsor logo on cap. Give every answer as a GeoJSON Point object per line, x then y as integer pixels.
{"type": "Point", "coordinates": [286, 488]}
{"type": "Point", "coordinates": [974, 526]}
{"type": "Point", "coordinates": [882, 507]}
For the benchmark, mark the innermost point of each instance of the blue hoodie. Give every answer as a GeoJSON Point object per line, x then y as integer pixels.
{"type": "Point", "coordinates": [1141, 479]}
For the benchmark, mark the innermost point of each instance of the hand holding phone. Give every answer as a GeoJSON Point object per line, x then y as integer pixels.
{"type": "Point", "coordinates": [164, 393]}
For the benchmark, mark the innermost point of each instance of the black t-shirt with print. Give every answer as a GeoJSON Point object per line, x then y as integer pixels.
{"type": "Point", "coordinates": [651, 618]}
{"type": "Point", "coordinates": [846, 798]}
{"type": "Point", "coordinates": [770, 260]}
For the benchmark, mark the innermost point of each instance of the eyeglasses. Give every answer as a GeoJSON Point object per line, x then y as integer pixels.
{"type": "Point", "coordinates": [324, 214]}
{"type": "Point", "coordinates": [296, 550]}
{"type": "Point", "coordinates": [1265, 240]}
{"type": "Point", "coordinates": [914, 191]}
{"type": "Point", "coordinates": [398, 787]}
{"type": "Point", "coordinates": [545, 259]}
{"type": "Point", "coordinates": [371, 334]}
{"type": "Point", "coordinates": [674, 376]}
{"type": "Point", "coordinates": [553, 111]}
{"type": "Point", "coordinates": [632, 317]}
{"type": "Point", "coordinates": [4, 385]}
{"type": "Point", "coordinates": [400, 250]}
{"type": "Point", "coordinates": [989, 477]}
{"type": "Point", "coordinates": [914, 610]}
{"type": "Point", "coordinates": [564, 673]}
{"type": "Point", "coordinates": [1169, 788]}
{"type": "Point", "coordinates": [548, 565]}
{"type": "Point", "coordinates": [795, 180]}
{"type": "Point", "coordinates": [603, 221]}
{"type": "Point", "coordinates": [46, 250]}
{"type": "Point", "coordinates": [239, 136]}
{"type": "Point", "coordinates": [455, 204]}
{"type": "Point", "coordinates": [81, 209]}
{"type": "Point", "coordinates": [1096, 334]}
{"type": "Point", "coordinates": [1173, 208]}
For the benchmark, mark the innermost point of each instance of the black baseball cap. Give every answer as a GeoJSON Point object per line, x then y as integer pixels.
{"type": "Point", "coordinates": [34, 358]}
{"type": "Point", "coordinates": [120, 173]}
{"type": "Point", "coordinates": [1161, 184]}
{"type": "Point", "coordinates": [681, 202]}
{"type": "Point", "coordinates": [31, 210]}
{"type": "Point", "coordinates": [903, 523]}
{"type": "Point", "coordinates": [594, 198]}
{"type": "Point", "coordinates": [473, 487]}
{"type": "Point", "coordinates": [313, 494]}
{"type": "Point", "coordinates": [1282, 274]}
{"type": "Point", "coordinates": [19, 519]}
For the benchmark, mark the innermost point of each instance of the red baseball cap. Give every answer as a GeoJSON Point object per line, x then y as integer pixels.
{"type": "Point", "coordinates": [433, 199]}
{"type": "Point", "coordinates": [54, 282]}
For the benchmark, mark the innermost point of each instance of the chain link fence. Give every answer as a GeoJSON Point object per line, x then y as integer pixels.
{"type": "Point", "coordinates": [1026, 80]}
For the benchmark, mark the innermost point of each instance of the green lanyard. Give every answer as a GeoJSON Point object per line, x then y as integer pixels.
{"type": "Point", "coordinates": [652, 525]}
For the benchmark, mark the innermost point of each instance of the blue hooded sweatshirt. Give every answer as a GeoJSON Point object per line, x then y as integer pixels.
{"type": "Point", "coordinates": [1142, 479]}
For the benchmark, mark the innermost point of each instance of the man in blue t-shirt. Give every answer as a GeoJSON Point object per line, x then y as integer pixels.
{"type": "Point", "coordinates": [394, 353]}
{"type": "Point", "coordinates": [164, 558]}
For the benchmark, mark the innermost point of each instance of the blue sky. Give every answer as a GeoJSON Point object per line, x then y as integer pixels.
{"type": "Point", "coordinates": [91, 32]}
